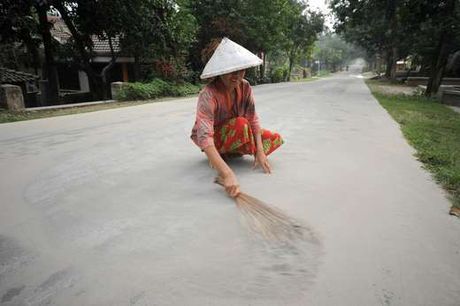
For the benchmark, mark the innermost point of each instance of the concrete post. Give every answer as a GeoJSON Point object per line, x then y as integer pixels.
{"type": "Point", "coordinates": [11, 97]}
{"type": "Point", "coordinates": [115, 88]}
{"type": "Point", "coordinates": [84, 82]}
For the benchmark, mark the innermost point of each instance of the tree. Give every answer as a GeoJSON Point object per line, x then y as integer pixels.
{"type": "Point", "coordinates": [335, 52]}
{"type": "Point", "coordinates": [21, 22]}
{"type": "Point", "coordinates": [215, 19]}
{"type": "Point", "coordinates": [148, 28]}
{"type": "Point", "coordinates": [164, 33]}
{"type": "Point", "coordinates": [18, 30]}
{"type": "Point", "coordinates": [303, 28]}
{"type": "Point", "coordinates": [263, 26]}
{"type": "Point", "coordinates": [433, 29]}
{"type": "Point", "coordinates": [428, 31]}
{"type": "Point", "coordinates": [446, 15]}
{"type": "Point", "coordinates": [373, 25]}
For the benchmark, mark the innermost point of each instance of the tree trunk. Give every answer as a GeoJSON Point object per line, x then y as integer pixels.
{"type": "Point", "coordinates": [389, 63]}
{"type": "Point", "coordinates": [379, 65]}
{"type": "Point", "coordinates": [291, 63]}
{"type": "Point", "coordinates": [391, 38]}
{"type": "Point", "coordinates": [105, 71]}
{"type": "Point", "coordinates": [443, 49]}
{"type": "Point", "coordinates": [262, 67]}
{"type": "Point", "coordinates": [98, 82]}
{"type": "Point", "coordinates": [439, 63]}
{"type": "Point", "coordinates": [137, 70]}
{"type": "Point", "coordinates": [394, 66]}
{"type": "Point", "coordinates": [50, 93]}
{"type": "Point", "coordinates": [95, 85]}
{"type": "Point", "coordinates": [95, 80]}
{"type": "Point", "coordinates": [32, 50]}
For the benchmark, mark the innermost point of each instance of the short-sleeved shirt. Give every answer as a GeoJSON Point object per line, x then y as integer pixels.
{"type": "Point", "coordinates": [215, 107]}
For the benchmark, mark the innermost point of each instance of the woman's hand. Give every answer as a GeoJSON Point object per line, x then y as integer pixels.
{"type": "Point", "coordinates": [230, 184]}
{"type": "Point", "coordinates": [226, 177]}
{"type": "Point", "coordinates": [260, 159]}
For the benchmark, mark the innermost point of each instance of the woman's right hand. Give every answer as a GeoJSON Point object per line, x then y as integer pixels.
{"type": "Point", "coordinates": [231, 184]}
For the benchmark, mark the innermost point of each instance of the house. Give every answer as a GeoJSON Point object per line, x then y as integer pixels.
{"type": "Point", "coordinates": [27, 82]}
{"type": "Point", "coordinates": [73, 82]}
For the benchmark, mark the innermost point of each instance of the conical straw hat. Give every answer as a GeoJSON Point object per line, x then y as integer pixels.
{"type": "Point", "coordinates": [229, 57]}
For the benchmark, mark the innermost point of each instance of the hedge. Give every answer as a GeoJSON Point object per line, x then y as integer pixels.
{"type": "Point", "coordinates": [156, 89]}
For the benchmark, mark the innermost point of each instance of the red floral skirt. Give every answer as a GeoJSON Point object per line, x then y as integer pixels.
{"type": "Point", "coordinates": [235, 137]}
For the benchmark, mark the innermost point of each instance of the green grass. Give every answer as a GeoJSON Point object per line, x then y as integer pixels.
{"type": "Point", "coordinates": [12, 116]}
{"type": "Point", "coordinates": [323, 73]}
{"type": "Point", "coordinates": [433, 130]}
{"type": "Point", "coordinates": [304, 80]}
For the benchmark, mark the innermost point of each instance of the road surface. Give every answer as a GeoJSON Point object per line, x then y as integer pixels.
{"type": "Point", "coordinates": [118, 207]}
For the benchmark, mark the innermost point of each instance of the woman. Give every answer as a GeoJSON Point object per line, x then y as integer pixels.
{"type": "Point", "coordinates": [226, 121]}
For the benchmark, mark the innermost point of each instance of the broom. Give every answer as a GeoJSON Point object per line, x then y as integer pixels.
{"type": "Point", "coordinates": [267, 221]}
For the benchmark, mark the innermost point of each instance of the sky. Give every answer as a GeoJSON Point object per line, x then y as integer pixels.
{"type": "Point", "coordinates": [321, 4]}
{"type": "Point", "coordinates": [323, 7]}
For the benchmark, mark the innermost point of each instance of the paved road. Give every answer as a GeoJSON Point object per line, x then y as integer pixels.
{"type": "Point", "coordinates": [118, 208]}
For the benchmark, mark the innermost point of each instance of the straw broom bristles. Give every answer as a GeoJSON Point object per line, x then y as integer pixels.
{"type": "Point", "coordinates": [267, 221]}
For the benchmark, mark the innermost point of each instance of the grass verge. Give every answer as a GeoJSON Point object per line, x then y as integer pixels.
{"type": "Point", "coordinates": [13, 116]}
{"type": "Point", "coordinates": [132, 93]}
{"type": "Point", "coordinates": [433, 130]}
{"type": "Point", "coordinates": [305, 80]}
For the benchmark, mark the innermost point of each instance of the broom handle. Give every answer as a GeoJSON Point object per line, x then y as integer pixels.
{"type": "Point", "coordinates": [219, 181]}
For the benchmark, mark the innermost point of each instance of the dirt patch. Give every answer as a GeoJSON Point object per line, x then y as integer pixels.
{"type": "Point", "coordinates": [397, 89]}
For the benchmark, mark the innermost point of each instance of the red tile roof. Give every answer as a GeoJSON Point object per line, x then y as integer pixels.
{"type": "Point", "coordinates": [62, 34]}
{"type": "Point", "coordinates": [102, 45]}
{"type": "Point", "coordinates": [13, 76]}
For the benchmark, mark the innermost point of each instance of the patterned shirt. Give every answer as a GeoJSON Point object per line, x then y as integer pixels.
{"type": "Point", "coordinates": [215, 107]}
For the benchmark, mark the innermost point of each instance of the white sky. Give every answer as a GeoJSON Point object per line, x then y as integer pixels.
{"type": "Point", "coordinates": [323, 7]}
{"type": "Point", "coordinates": [321, 4]}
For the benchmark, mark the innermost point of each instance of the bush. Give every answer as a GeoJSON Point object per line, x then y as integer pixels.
{"type": "Point", "coordinates": [155, 89]}
{"type": "Point", "coordinates": [279, 74]}
{"type": "Point", "coordinates": [185, 89]}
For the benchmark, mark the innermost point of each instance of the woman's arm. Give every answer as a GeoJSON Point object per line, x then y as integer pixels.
{"type": "Point", "coordinates": [224, 171]}
{"type": "Point", "coordinates": [260, 159]}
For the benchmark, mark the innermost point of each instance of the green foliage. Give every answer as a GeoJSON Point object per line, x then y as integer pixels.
{"type": "Point", "coordinates": [263, 26]}
{"type": "Point", "coordinates": [279, 74]}
{"type": "Point", "coordinates": [155, 89]}
{"type": "Point", "coordinates": [19, 34]}
{"type": "Point", "coordinates": [397, 29]}
{"type": "Point", "coordinates": [364, 23]}
{"type": "Point", "coordinates": [183, 89]}
{"type": "Point", "coordinates": [334, 52]}
{"type": "Point", "coordinates": [170, 34]}
{"type": "Point", "coordinates": [433, 130]}
{"type": "Point", "coordinates": [303, 26]}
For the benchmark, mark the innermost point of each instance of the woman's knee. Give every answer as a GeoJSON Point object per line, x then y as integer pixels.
{"type": "Point", "coordinates": [241, 121]}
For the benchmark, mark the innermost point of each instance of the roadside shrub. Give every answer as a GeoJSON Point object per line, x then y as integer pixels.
{"type": "Point", "coordinates": [155, 89]}
{"type": "Point", "coordinates": [184, 89]}
{"type": "Point", "coordinates": [279, 74]}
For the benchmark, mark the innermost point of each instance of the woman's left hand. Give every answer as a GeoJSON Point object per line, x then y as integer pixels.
{"type": "Point", "coordinates": [260, 159]}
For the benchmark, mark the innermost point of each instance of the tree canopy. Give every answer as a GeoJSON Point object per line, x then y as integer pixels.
{"type": "Point", "coordinates": [164, 34]}
{"type": "Point", "coordinates": [428, 31]}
